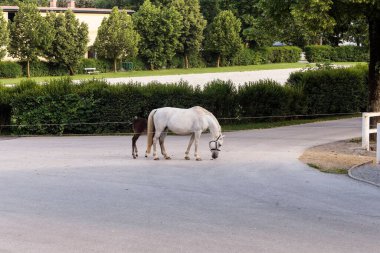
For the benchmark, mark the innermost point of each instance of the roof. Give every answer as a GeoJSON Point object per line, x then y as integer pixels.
{"type": "Point", "coordinates": [63, 9]}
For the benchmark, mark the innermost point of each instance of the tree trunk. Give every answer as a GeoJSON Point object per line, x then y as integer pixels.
{"type": "Point", "coordinates": [186, 61]}
{"type": "Point", "coordinates": [28, 68]}
{"type": "Point", "coordinates": [71, 71]}
{"type": "Point", "coordinates": [374, 65]}
{"type": "Point", "coordinates": [151, 66]}
{"type": "Point", "coordinates": [218, 62]}
{"type": "Point", "coordinates": [115, 65]}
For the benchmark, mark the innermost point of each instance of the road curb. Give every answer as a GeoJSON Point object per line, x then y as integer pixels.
{"type": "Point", "coordinates": [358, 178]}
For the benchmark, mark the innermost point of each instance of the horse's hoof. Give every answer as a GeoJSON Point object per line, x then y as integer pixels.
{"type": "Point", "coordinates": [187, 158]}
{"type": "Point", "coordinates": [168, 158]}
{"type": "Point", "coordinates": [156, 158]}
{"type": "Point", "coordinates": [198, 159]}
{"type": "Point", "coordinates": [134, 157]}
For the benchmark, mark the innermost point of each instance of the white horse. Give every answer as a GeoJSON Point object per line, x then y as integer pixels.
{"type": "Point", "coordinates": [192, 121]}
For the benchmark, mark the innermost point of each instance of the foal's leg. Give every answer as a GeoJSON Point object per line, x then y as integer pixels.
{"type": "Point", "coordinates": [197, 137]}
{"type": "Point", "coordinates": [189, 146]}
{"type": "Point", "coordinates": [134, 147]}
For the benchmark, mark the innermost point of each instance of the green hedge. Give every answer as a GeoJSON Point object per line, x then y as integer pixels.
{"type": "Point", "coordinates": [61, 102]}
{"type": "Point", "coordinates": [269, 98]}
{"type": "Point", "coordinates": [338, 54]}
{"type": "Point", "coordinates": [10, 70]}
{"type": "Point", "coordinates": [343, 90]}
{"type": "Point", "coordinates": [283, 54]}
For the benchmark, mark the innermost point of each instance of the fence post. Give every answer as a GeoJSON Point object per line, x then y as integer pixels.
{"type": "Point", "coordinates": [365, 131]}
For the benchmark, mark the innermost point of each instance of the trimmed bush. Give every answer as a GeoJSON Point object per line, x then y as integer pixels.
{"type": "Point", "coordinates": [351, 54]}
{"type": "Point", "coordinates": [248, 56]}
{"type": "Point", "coordinates": [283, 54]}
{"type": "Point", "coordinates": [269, 98]}
{"type": "Point", "coordinates": [10, 70]}
{"type": "Point", "coordinates": [339, 54]}
{"type": "Point", "coordinates": [341, 90]}
{"type": "Point", "coordinates": [319, 53]}
{"type": "Point", "coordinates": [220, 98]}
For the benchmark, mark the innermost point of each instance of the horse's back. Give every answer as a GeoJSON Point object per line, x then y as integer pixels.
{"type": "Point", "coordinates": [179, 120]}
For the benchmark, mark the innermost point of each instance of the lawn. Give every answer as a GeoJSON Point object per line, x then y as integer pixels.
{"type": "Point", "coordinates": [173, 72]}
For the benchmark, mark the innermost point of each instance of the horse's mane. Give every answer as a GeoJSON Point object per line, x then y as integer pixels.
{"type": "Point", "coordinates": [203, 111]}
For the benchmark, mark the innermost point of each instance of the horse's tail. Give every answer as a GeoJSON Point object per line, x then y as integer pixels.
{"type": "Point", "coordinates": [150, 132]}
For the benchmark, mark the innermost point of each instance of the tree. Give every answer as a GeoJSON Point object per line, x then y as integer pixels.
{"type": "Point", "coordinates": [210, 9]}
{"type": "Point", "coordinates": [30, 28]}
{"type": "Point", "coordinates": [70, 40]}
{"type": "Point", "coordinates": [223, 37]}
{"type": "Point", "coordinates": [313, 18]}
{"type": "Point", "coordinates": [117, 37]}
{"type": "Point", "coordinates": [160, 29]}
{"type": "Point", "coordinates": [279, 10]}
{"type": "Point", "coordinates": [193, 27]}
{"type": "Point", "coordinates": [4, 35]}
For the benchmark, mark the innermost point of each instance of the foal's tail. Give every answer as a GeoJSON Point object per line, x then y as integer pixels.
{"type": "Point", "coordinates": [150, 132]}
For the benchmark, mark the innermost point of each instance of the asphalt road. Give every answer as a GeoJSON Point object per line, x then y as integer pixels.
{"type": "Point", "coordinates": [86, 194]}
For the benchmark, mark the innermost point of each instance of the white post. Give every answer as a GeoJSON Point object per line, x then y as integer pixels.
{"type": "Point", "coordinates": [378, 144]}
{"type": "Point", "coordinates": [365, 131]}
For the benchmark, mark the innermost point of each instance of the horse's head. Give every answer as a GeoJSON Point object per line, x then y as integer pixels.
{"type": "Point", "coordinates": [215, 146]}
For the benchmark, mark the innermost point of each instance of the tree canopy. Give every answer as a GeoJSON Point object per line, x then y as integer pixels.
{"type": "Point", "coordinates": [30, 28]}
{"type": "Point", "coordinates": [224, 38]}
{"type": "Point", "coordinates": [4, 35]}
{"type": "Point", "coordinates": [70, 40]}
{"type": "Point", "coordinates": [160, 30]}
{"type": "Point", "coordinates": [117, 37]}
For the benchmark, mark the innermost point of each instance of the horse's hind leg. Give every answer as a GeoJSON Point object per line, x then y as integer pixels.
{"type": "Point", "coordinates": [155, 138]}
{"type": "Point", "coordinates": [162, 145]}
{"type": "Point", "coordinates": [189, 146]}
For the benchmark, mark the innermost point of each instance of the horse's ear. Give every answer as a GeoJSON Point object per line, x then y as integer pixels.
{"type": "Point", "coordinates": [223, 136]}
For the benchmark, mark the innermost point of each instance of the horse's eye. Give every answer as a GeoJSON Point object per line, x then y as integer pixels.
{"type": "Point", "coordinates": [219, 145]}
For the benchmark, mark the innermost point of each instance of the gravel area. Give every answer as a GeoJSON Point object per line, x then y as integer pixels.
{"type": "Point", "coordinates": [239, 78]}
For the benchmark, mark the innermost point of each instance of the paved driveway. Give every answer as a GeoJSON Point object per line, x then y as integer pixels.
{"type": "Point", "coordinates": [86, 194]}
{"type": "Point", "coordinates": [238, 78]}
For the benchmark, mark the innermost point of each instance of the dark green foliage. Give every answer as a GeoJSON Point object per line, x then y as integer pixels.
{"type": "Point", "coordinates": [42, 68]}
{"type": "Point", "coordinates": [220, 98]}
{"type": "Point", "coordinates": [100, 65]}
{"type": "Point", "coordinates": [333, 90]}
{"type": "Point", "coordinates": [265, 55]}
{"type": "Point", "coordinates": [195, 61]}
{"type": "Point", "coordinates": [283, 54]}
{"type": "Point", "coordinates": [10, 70]}
{"type": "Point", "coordinates": [269, 98]}
{"type": "Point", "coordinates": [339, 54]}
{"type": "Point", "coordinates": [248, 56]}
{"type": "Point", "coordinates": [351, 54]}
{"type": "Point", "coordinates": [318, 53]}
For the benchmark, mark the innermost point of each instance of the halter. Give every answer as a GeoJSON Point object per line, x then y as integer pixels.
{"type": "Point", "coordinates": [216, 147]}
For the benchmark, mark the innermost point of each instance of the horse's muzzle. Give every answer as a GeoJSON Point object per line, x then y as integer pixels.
{"type": "Point", "coordinates": [214, 154]}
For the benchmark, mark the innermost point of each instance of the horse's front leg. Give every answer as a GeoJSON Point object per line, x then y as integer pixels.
{"type": "Point", "coordinates": [189, 146]}
{"type": "Point", "coordinates": [197, 137]}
